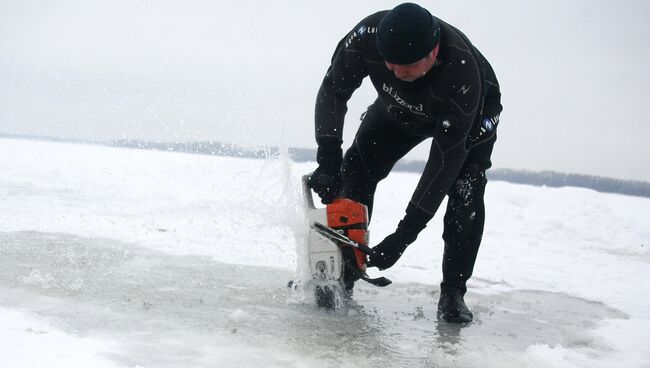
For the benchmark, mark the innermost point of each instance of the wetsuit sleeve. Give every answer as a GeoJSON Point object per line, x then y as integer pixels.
{"type": "Point", "coordinates": [343, 77]}
{"type": "Point", "coordinates": [492, 102]}
{"type": "Point", "coordinates": [489, 119]}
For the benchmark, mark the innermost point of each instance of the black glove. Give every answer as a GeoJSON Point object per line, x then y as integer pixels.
{"type": "Point", "coordinates": [326, 180]}
{"type": "Point", "coordinates": [390, 249]}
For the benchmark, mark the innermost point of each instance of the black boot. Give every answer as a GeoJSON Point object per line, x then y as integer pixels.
{"type": "Point", "coordinates": [452, 308]}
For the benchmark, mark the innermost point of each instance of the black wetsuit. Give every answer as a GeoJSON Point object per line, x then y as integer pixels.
{"type": "Point", "coordinates": [457, 103]}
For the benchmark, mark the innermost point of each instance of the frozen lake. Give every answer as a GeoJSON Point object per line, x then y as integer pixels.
{"type": "Point", "coordinates": [164, 311]}
{"type": "Point", "coordinates": [124, 258]}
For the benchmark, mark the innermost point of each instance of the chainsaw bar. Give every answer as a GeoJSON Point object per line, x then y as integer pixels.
{"type": "Point", "coordinates": [342, 240]}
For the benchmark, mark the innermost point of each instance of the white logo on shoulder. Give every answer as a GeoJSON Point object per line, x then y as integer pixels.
{"type": "Point", "coordinates": [464, 89]}
{"type": "Point", "coordinates": [358, 33]}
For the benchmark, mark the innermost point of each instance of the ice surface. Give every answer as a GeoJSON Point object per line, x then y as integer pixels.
{"type": "Point", "coordinates": [115, 257]}
{"type": "Point", "coordinates": [164, 309]}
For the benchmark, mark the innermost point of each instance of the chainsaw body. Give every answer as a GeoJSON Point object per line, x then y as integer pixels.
{"type": "Point", "coordinates": [337, 248]}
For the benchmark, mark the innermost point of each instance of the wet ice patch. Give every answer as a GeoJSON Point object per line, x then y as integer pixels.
{"type": "Point", "coordinates": [161, 309]}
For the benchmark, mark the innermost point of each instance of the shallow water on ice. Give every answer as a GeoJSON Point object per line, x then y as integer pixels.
{"type": "Point", "coordinates": [171, 311]}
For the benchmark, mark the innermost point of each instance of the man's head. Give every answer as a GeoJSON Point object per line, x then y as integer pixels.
{"type": "Point", "coordinates": [407, 40]}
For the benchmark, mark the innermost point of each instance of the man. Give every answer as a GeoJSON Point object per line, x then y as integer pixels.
{"type": "Point", "coordinates": [431, 83]}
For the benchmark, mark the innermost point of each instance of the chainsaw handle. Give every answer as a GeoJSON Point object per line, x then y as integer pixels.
{"type": "Point", "coordinates": [306, 191]}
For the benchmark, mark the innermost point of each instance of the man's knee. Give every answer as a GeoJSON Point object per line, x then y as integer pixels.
{"type": "Point", "coordinates": [354, 170]}
{"type": "Point", "coordinates": [357, 184]}
{"type": "Point", "coordinates": [469, 186]}
{"type": "Point", "coordinates": [465, 209]}
{"type": "Point", "coordinates": [363, 166]}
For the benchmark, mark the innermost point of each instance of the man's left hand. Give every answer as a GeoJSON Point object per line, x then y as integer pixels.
{"type": "Point", "coordinates": [326, 184]}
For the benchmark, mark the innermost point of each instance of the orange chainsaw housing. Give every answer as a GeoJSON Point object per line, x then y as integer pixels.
{"type": "Point", "coordinates": [351, 217]}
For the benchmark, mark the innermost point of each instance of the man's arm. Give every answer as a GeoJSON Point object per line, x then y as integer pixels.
{"type": "Point", "coordinates": [343, 77]}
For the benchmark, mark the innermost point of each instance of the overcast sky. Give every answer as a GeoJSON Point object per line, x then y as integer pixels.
{"type": "Point", "coordinates": [574, 74]}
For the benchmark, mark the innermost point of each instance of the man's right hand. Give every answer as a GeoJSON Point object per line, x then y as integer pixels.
{"type": "Point", "coordinates": [390, 250]}
{"type": "Point", "coordinates": [326, 183]}
{"type": "Point", "coordinates": [386, 253]}
{"type": "Point", "coordinates": [326, 180]}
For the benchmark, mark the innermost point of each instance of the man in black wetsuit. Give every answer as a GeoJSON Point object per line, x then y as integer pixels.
{"type": "Point", "coordinates": [431, 83]}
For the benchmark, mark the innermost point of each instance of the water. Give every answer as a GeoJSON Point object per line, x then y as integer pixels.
{"type": "Point", "coordinates": [164, 310]}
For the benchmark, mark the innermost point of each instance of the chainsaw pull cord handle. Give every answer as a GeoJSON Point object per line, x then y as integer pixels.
{"type": "Point", "coordinates": [306, 191]}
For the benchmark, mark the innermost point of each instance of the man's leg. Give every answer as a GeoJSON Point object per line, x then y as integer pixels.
{"type": "Point", "coordinates": [463, 231]}
{"type": "Point", "coordinates": [377, 146]}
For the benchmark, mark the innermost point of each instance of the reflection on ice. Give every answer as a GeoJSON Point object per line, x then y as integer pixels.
{"type": "Point", "coordinates": [166, 310]}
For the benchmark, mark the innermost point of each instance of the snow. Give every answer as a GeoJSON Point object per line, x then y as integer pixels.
{"type": "Point", "coordinates": [239, 316]}
{"type": "Point", "coordinates": [30, 341]}
{"type": "Point", "coordinates": [114, 257]}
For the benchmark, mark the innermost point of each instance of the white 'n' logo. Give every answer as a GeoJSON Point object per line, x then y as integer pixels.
{"type": "Point", "coordinates": [464, 89]}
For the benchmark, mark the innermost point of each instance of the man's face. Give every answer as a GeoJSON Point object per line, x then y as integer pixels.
{"type": "Point", "coordinates": [411, 72]}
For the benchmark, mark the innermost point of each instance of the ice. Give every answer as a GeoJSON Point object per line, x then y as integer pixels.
{"type": "Point", "coordinates": [152, 301]}
{"type": "Point", "coordinates": [160, 307]}
{"type": "Point", "coordinates": [239, 316]}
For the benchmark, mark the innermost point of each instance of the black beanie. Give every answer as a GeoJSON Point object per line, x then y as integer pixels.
{"type": "Point", "coordinates": [407, 34]}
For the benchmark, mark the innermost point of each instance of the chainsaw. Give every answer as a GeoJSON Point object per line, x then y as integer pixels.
{"type": "Point", "coordinates": [337, 249]}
